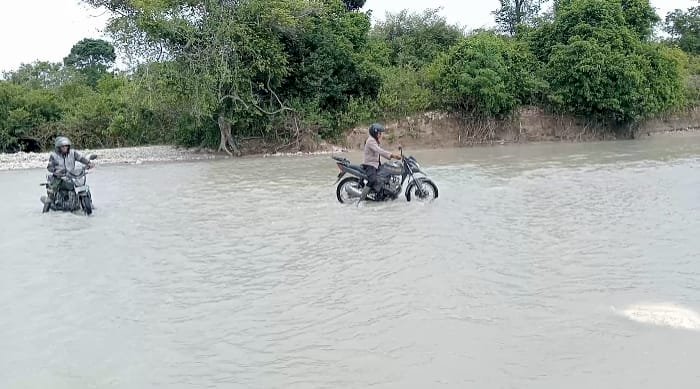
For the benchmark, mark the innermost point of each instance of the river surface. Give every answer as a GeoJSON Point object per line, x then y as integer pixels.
{"type": "Point", "coordinates": [247, 273]}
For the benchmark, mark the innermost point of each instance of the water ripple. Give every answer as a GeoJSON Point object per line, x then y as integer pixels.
{"type": "Point", "coordinates": [247, 273]}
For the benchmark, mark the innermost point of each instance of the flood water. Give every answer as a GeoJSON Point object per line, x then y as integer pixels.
{"type": "Point", "coordinates": [248, 274]}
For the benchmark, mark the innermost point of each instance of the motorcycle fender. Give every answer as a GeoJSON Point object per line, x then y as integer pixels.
{"type": "Point", "coordinates": [341, 175]}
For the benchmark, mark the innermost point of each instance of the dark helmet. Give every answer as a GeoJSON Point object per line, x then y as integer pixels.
{"type": "Point", "coordinates": [62, 141]}
{"type": "Point", "coordinates": [375, 129]}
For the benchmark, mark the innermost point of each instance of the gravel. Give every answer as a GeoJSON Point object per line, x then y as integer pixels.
{"type": "Point", "coordinates": [137, 155]}
{"type": "Point", "coordinates": [127, 155]}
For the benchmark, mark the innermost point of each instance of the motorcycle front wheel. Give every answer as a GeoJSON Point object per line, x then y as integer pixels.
{"type": "Point", "coordinates": [86, 203]}
{"type": "Point", "coordinates": [47, 203]}
{"type": "Point", "coordinates": [350, 184]}
{"type": "Point", "coordinates": [427, 191]}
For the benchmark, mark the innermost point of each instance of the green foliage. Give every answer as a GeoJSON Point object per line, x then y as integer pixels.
{"type": "Point", "coordinates": [22, 110]}
{"type": "Point", "coordinates": [596, 81]}
{"type": "Point", "coordinates": [640, 17]}
{"type": "Point", "coordinates": [600, 20]}
{"type": "Point", "coordinates": [91, 53]}
{"type": "Point", "coordinates": [208, 72]}
{"type": "Point", "coordinates": [92, 58]}
{"type": "Point", "coordinates": [354, 5]}
{"type": "Point", "coordinates": [693, 81]}
{"type": "Point", "coordinates": [684, 28]}
{"type": "Point", "coordinates": [599, 65]}
{"type": "Point", "coordinates": [326, 65]}
{"type": "Point", "coordinates": [243, 62]}
{"type": "Point", "coordinates": [416, 39]}
{"type": "Point", "coordinates": [486, 75]}
{"type": "Point", "coordinates": [404, 92]}
{"type": "Point", "coordinates": [39, 75]}
{"type": "Point", "coordinates": [514, 13]}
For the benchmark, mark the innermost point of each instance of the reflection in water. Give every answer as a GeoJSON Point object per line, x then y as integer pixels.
{"type": "Point", "coordinates": [248, 273]}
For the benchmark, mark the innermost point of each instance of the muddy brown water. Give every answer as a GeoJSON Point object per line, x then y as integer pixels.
{"type": "Point", "coordinates": [248, 274]}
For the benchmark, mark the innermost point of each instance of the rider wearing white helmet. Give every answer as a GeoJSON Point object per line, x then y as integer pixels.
{"type": "Point", "coordinates": [62, 160]}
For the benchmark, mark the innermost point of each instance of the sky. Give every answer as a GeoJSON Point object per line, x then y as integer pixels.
{"type": "Point", "coordinates": [33, 30]}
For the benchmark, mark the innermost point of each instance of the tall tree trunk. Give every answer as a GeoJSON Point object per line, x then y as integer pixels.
{"type": "Point", "coordinates": [226, 137]}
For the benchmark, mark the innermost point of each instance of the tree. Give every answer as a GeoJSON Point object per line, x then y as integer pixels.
{"type": "Point", "coordinates": [599, 65]}
{"type": "Point", "coordinates": [354, 5]}
{"type": "Point", "coordinates": [326, 62]}
{"type": "Point", "coordinates": [514, 13]}
{"type": "Point", "coordinates": [486, 76]}
{"type": "Point", "coordinates": [601, 20]}
{"type": "Point", "coordinates": [640, 17]}
{"type": "Point", "coordinates": [416, 39]}
{"type": "Point", "coordinates": [92, 57]}
{"type": "Point", "coordinates": [239, 63]}
{"type": "Point", "coordinates": [40, 74]}
{"type": "Point", "coordinates": [684, 28]}
{"type": "Point", "coordinates": [23, 110]}
{"type": "Point", "coordinates": [91, 53]}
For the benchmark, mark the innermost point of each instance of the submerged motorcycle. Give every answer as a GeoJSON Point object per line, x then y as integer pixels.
{"type": "Point", "coordinates": [73, 193]}
{"type": "Point", "coordinates": [394, 175]}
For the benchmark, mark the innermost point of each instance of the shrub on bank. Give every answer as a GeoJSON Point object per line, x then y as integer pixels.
{"type": "Point", "coordinates": [486, 75]}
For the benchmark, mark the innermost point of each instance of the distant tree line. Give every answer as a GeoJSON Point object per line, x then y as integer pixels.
{"type": "Point", "coordinates": [216, 72]}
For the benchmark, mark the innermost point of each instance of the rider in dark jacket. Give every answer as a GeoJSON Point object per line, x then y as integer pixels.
{"type": "Point", "coordinates": [371, 161]}
{"type": "Point", "coordinates": [61, 161]}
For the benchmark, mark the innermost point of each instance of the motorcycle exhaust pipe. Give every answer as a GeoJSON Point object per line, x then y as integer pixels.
{"type": "Point", "coordinates": [353, 191]}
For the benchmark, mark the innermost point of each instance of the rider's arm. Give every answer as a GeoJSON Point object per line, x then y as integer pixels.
{"type": "Point", "coordinates": [375, 147]}
{"type": "Point", "coordinates": [51, 167]}
{"type": "Point", "coordinates": [81, 158]}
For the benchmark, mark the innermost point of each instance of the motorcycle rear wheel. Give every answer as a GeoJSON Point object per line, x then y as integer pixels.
{"type": "Point", "coordinates": [342, 194]}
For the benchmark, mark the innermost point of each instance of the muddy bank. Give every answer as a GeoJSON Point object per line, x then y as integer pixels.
{"type": "Point", "coordinates": [438, 130]}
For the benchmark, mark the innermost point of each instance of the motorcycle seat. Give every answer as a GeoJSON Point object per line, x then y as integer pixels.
{"type": "Point", "coordinates": [357, 167]}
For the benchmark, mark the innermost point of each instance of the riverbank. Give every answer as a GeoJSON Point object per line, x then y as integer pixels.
{"type": "Point", "coordinates": [425, 131]}
{"type": "Point", "coordinates": [127, 155]}
{"type": "Point", "coordinates": [530, 125]}
{"type": "Point", "coordinates": [139, 155]}
{"type": "Point", "coordinates": [153, 154]}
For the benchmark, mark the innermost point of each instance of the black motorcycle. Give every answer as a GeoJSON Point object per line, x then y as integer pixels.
{"type": "Point", "coordinates": [73, 193]}
{"type": "Point", "coordinates": [393, 176]}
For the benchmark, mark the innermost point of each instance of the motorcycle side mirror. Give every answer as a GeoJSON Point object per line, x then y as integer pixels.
{"type": "Point", "coordinates": [93, 157]}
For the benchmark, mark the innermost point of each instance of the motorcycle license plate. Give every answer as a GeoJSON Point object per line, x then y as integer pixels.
{"type": "Point", "coordinates": [80, 188]}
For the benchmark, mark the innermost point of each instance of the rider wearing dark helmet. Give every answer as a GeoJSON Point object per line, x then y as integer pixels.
{"type": "Point", "coordinates": [62, 160]}
{"type": "Point", "coordinates": [372, 156]}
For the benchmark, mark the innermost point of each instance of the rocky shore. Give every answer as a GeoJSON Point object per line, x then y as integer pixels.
{"type": "Point", "coordinates": [139, 155]}
{"type": "Point", "coordinates": [127, 155]}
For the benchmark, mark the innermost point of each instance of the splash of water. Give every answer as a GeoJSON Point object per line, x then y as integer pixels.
{"type": "Point", "coordinates": [665, 315]}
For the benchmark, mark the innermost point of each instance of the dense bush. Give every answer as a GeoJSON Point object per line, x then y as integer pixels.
{"type": "Point", "coordinates": [684, 28]}
{"type": "Point", "coordinates": [599, 65]}
{"type": "Point", "coordinates": [486, 75]}
{"type": "Point", "coordinates": [414, 40]}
